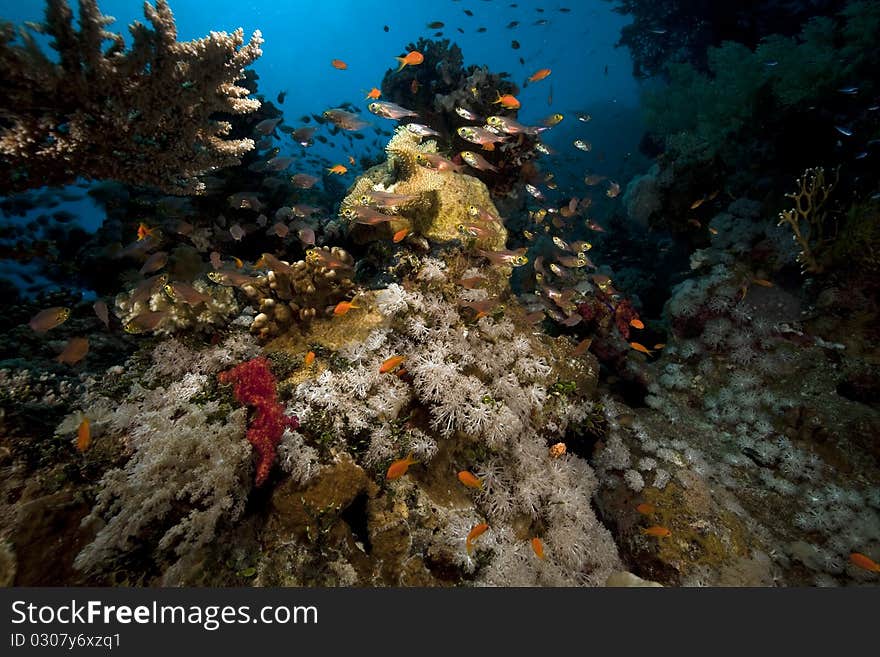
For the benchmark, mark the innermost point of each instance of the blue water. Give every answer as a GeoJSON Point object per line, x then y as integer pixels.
{"type": "Point", "coordinates": [300, 42]}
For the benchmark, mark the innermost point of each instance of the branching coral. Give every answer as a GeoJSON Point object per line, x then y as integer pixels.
{"type": "Point", "coordinates": [143, 116]}
{"type": "Point", "coordinates": [808, 218]}
{"type": "Point", "coordinates": [256, 386]}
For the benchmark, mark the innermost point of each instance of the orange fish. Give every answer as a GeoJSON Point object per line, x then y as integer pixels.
{"type": "Point", "coordinates": [656, 530]}
{"type": "Point", "coordinates": [646, 509]}
{"type": "Point", "coordinates": [338, 169]}
{"type": "Point", "coordinates": [508, 101]}
{"type": "Point", "coordinates": [74, 351]}
{"type": "Point", "coordinates": [641, 347]}
{"type": "Point", "coordinates": [538, 547]}
{"type": "Point", "coordinates": [343, 307]}
{"type": "Point", "coordinates": [695, 223]}
{"type": "Point", "coordinates": [762, 282]}
{"type": "Point", "coordinates": [49, 319]}
{"type": "Point", "coordinates": [83, 435]}
{"type": "Point", "coordinates": [145, 231]}
{"type": "Point", "coordinates": [469, 480]}
{"type": "Point", "coordinates": [539, 75]}
{"type": "Point", "coordinates": [697, 203]}
{"type": "Point", "coordinates": [713, 231]}
{"type": "Point", "coordinates": [338, 64]}
{"type": "Point", "coordinates": [864, 562]}
{"type": "Point", "coordinates": [474, 534]}
{"type": "Point", "coordinates": [412, 58]}
{"type": "Point", "coordinates": [238, 263]}
{"type": "Point", "coordinates": [397, 469]}
{"type": "Point", "coordinates": [659, 345]}
{"type": "Point", "coordinates": [390, 364]}
{"type": "Point", "coordinates": [399, 235]}
{"type": "Point", "coordinates": [374, 94]}
{"type": "Point", "coordinates": [582, 347]}
{"type": "Point", "coordinates": [309, 359]}
{"type": "Point", "coordinates": [351, 160]}
{"type": "Point", "coordinates": [636, 323]}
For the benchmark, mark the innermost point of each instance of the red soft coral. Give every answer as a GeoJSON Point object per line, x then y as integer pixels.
{"type": "Point", "coordinates": [256, 386]}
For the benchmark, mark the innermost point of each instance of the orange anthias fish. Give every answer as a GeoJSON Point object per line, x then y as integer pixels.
{"type": "Point", "coordinates": [343, 307]}
{"type": "Point", "coordinates": [338, 64]}
{"type": "Point", "coordinates": [470, 480]}
{"type": "Point", "coordinates": [582, 347]}
{"type": "Point", "coordinates": [762, 282]}
{"type": "Point", "coordinates": [640, 347]}
{"type": "Point", "coordinates": [538, 547]}
{"type": "Point", "coordinates": [338, 169]}
{"type": "Point", "coordinates": [374, 94]}
{"type": "Point", "coordinates": [636, 323]}
{"type": "Point", "coordinates": [474, 534]}
{"type": "Point", "coordinates": [646, 508]}
{"type": "Point", "coordinates": [539, 75]}
{"type": "Point", "coordinates": [864, 562]}
{"type": "Point", "coordinates": [83, 435]}
{"type": "Point", "coordinates": [351, 160]}
{"type": "Point", "coordinates": [656, 530]}
{"type": "Point", "coordinates": [397, 469]}
{"type": "Point", "coordinates": [390, 364]}
{"type": "Point", "coordinates": [145, 231]}
{"type": "Point", "coordinates": [400, 235]}
{"type": "Point", "coordinates": [309, 359]}
{"type": "Point", "coordinates": [74, 351]}
{"type": "Point", "coordinates": [412, 58]}
{"type": "Point", "coordinates": [49, 319]}
{"type": "Point", "coordinates": [507, 101]}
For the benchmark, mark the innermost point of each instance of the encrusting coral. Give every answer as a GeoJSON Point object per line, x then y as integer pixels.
{"type": "Point", "coordinates": [143, 116]}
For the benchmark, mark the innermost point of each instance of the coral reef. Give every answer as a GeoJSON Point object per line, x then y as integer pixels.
{"type": "Point", "coordinates": [161, 312]}
{"type": "Point", "coordinates": [444, 197]}
{"type": "Point", "coordinates": [104, 114]}
{"type": "Point", "coordinates": [189, 466]}
{"type": "Point", "coordinates": [300, 291]}
{"type": "Point", "coordinates": [490, 399]}
{"type": "Point", "coordinates": [255, 387]}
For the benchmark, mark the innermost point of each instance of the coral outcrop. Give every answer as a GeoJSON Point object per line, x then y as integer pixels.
{"type": "Point", "coordinates": [444, 197]}
{"type": "Point", "coordinates": [144, 116]}
{"type": "Point", "coordinates": [300, 291]}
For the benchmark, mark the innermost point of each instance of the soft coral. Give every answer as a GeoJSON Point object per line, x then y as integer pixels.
{"type": "Point", "coordinates": [255, 386]}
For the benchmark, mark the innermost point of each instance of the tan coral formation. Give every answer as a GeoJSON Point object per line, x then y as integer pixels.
{"type": "Point", "coordinates": [444, 196]}
{"type": "Point", "coordinates": [300, 291]}
{"type": "Point", "coordinates": [141, 116]}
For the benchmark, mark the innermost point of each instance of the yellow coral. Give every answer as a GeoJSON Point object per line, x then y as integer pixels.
{"type": "Point", "coordinates": [808, 218]}
{"type": "Point", "coordinates": [445, 196]}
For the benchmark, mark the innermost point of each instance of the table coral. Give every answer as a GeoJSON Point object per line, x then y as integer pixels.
{"type": "Point", "coordinates": [255, 386]}
{"type": "Point", "coordinates": [141, 116]}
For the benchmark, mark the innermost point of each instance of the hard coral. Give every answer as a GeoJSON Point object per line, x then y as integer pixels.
{"type": "Point", "coordinates": [445, 196]}
{"type": "Point", "coordinates": [144, 116]}
{"type": "Point", "coordinates": [255, 386]}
